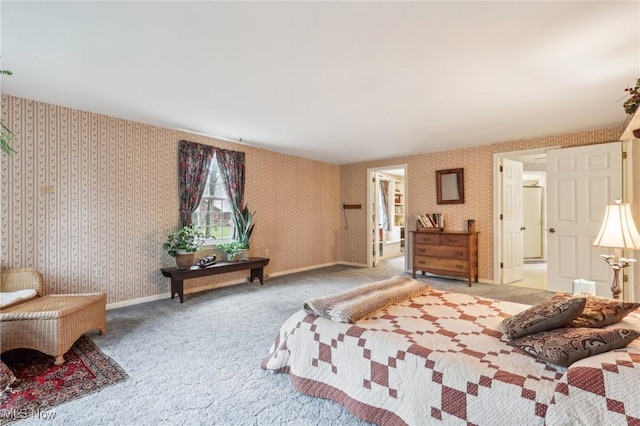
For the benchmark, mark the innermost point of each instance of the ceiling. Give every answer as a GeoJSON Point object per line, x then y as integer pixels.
{"type": "Point", "coordinates": [339, 82]}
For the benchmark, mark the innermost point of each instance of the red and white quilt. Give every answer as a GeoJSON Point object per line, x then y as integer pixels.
{"type": "Point", "coordinates": [440, 357]}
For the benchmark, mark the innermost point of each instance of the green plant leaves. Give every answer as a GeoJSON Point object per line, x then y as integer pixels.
{"type": "Point", "coordinates": [243, 222]}
{"type": "Point", "coordinates": [631, 104]}
{"type": "Point", "coordinates": [188, 238]}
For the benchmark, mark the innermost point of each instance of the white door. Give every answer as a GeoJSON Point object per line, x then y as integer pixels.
{"type": "Point", "coordinates": [511, 221]}
{"type": "Point", "coordinates": [375, 238]}
{"type": "Point", "coordinates": [532, 222]}
{"type": "Point", "coordinates": [580, 183]}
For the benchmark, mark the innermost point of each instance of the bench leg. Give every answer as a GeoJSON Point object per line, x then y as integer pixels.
{"type": "Point", "coordinates": [177, 287]}
{"type": "Point", "coordinates": [257, 273]}
{"type": "Point", "coordinates": [59, 360]}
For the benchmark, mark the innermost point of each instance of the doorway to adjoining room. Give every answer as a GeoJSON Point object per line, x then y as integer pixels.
{"type": "Point", "coordinates": [386, 207]}
{"type": "Point", "coordinates": [524, 210]}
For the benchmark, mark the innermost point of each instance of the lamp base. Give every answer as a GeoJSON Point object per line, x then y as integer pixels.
{"type": "Point", "coordinates": [616, 288]}
{"type": "Point", "coordinates": [617, 264]}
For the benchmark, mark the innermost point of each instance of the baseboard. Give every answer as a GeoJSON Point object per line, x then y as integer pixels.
{"type": "Point", "coordinates": [138, 301]}
{"type": "Point", "coordinates": [168, 295]}
{"type": "Point", "coordinates": [234, 282]}
{"type": "Point", "coordinates": [223, 284]}
{"type": "Point", "coordinates": [306, 268]}
{"type": "Point", "coordinates": [360, 265]}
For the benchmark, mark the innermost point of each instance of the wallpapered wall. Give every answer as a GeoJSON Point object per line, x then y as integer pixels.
{"type": "Point", "coordinates": [420, 189]}
{"type": "Point", "coordinates": [87, 191]}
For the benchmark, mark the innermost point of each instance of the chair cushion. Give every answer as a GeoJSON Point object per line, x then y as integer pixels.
{"type": "Point", "coordinates": [13, 297]}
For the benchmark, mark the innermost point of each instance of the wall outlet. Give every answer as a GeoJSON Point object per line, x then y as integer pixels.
{"type": "Point", "coordinates": [97, 272]}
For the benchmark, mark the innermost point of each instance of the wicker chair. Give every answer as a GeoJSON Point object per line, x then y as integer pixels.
{"type": "Point", "coordinates": [21, 279]}
{"type": "Point", "coordinates": [51, 323]}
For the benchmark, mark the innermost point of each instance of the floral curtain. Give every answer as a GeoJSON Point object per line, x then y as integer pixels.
{"type": "Point", "coordinates": [194, 161]}
{"type": "Point", "coordinates": [384, 194]}
{"type": "Point", "coordinates": [231, 165]}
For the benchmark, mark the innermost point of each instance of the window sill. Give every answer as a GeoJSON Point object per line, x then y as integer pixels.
{"type": "Point", "coordinates": [211, 245]}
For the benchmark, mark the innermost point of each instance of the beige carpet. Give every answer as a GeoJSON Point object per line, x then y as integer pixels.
{"type": "Point", "coordinates": [198, 363]}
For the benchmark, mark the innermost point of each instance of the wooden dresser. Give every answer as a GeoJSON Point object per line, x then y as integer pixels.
{"type": "Point", "coordinates": [446, 253]}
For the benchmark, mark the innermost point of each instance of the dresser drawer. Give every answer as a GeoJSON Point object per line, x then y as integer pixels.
{"type": "Point", "coordinates": [447, 252]}
{"type": "Point", "coordinates": [454, 240]}
{"type": "Point", "coordinates": [427, 238]}
{"type": "Point", "coordinates": [429, 263]}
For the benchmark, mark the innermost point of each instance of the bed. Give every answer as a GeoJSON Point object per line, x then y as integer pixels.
{"type": "Point", "coordinates": [440, 357]}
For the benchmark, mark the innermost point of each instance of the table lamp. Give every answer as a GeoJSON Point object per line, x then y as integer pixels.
{"type": "Point", "coordinates": [619, 232]}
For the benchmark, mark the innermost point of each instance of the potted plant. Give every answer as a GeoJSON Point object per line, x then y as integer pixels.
{"type": "Point", "coordinates": [183, 244]}
{"type": "Point", "coordinates": [231, 249]}
{"type": "Point", "coordinates": [243, 222]}
{"type": "Point", "coordinates": [631, 104]}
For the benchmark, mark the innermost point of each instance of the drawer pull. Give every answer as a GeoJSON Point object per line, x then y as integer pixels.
{"type": "Point", "coordinates": [422, 262]}
{"type": "Point", "coordinates": [422, 250]}
{"type": "Point", "coordinates": [460, 253]}
{"type": "Point", "coordinates": [453, 239]}
{"type": "Point", "coordinates": [460, 266]}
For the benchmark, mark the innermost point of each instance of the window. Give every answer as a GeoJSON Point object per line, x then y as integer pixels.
{"type": "Point", "coordinates": [214, 214]}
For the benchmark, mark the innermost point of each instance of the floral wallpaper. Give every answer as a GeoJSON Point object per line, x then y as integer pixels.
{"type": "Point", "coordinates": [420, 189]}
{"type": "Point", "coordinates": [88, 200]}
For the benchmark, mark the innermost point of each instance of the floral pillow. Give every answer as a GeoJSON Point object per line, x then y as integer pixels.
{"type": "Point", "coordinates": [564, 346]}
{"type": "Point", "coordinates": [552, 313]}
{"type": "Point", "coordinates": [601, 311]}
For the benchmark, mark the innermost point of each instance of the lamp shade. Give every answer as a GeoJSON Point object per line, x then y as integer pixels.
{"type": "Point", "coordinates": [618, 229]}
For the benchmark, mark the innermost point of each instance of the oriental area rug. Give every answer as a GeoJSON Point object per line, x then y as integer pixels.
{"type": "Point", "coordinates": [40, 384]}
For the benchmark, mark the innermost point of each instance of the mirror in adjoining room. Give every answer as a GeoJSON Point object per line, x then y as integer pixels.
{"type": "Point", "coordinates": [450, 186]}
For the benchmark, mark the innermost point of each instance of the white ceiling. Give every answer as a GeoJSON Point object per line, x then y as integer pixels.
{"type": "Point", "coordinates": [340, 82]}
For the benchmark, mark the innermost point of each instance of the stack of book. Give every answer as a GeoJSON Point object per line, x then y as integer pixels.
{"type": "Point", "coordinates": [430, 220]}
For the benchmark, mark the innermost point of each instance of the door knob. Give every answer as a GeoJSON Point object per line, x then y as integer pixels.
{"type": "Point", "coordinates": [522, 228]}
{"type": "Point", "coordinates": [552, 230]}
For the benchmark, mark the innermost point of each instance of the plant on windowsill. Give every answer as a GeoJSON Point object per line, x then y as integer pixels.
{"type": "Point", "coordinates": [183, 244]}
{"type": "Point", "coordinates": [231, 249]}
{"type": "Point", "coordinates": [631, 104]}
{"type": "Point", "coordinates": [243, 223]}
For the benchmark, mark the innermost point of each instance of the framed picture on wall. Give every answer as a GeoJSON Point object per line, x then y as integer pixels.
{"type": "Point", "coordinates": [450, 186]}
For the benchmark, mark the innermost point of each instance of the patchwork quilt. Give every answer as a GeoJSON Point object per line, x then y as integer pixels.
{"type": "Point", "coordinates": [440, 358]}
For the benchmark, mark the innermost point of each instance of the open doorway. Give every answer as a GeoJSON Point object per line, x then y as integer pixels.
{"type": "Point", "coordinates": [520, 251]}
{"type": "Point", "coordinates": [579, 182]}
{"type": "Point", "coordinates": [386, 208]}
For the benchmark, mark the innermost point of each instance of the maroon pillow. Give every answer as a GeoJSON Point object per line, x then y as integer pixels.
{"type": "Point", "coordinates": [552, 313]}
{"type": "Point", "coordinates": [564, 346]}
{"type": "Point", "coordinates": [601, 311]}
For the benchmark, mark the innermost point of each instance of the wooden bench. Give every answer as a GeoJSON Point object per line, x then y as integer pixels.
{"type": "Point", "coordinates": [255, 264]}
